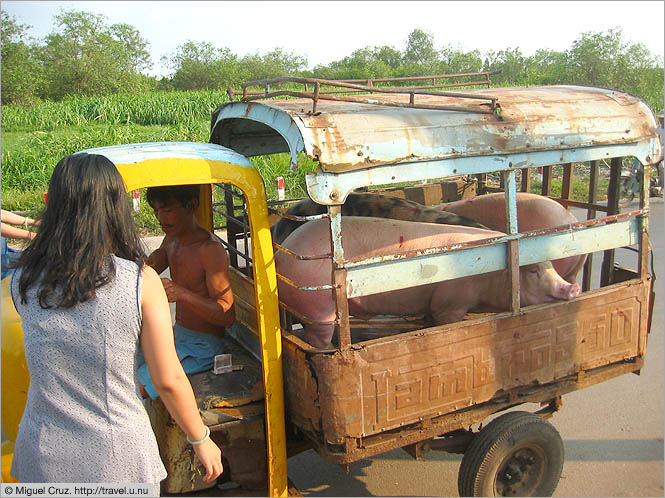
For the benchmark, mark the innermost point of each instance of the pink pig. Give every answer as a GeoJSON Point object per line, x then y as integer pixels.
{"type": "Point", "coordinates": [534, 212]}
{"type": "Point", "coordinates": [443, 302]}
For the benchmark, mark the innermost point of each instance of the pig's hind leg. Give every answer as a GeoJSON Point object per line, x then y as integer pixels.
{"type": "Point", "coordinates": [442, 317]}
{"type": "Point", "coordinates": [446, 309]}
{"type": "Point", "coordinates": [319, 336]}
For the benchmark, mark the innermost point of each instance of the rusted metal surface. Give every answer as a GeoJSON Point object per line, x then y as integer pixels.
{"type": "Point", "coordinates": [345, 136]}
{"type": "Point", "coordinates": [643, 220]}
{"type": "Point", "coordinates": [525, 181]}
{"type": "Point", "coordinates": [376, 388]}
{"type": "Point", "coordinates": [369, 82]}
{"type": "Point", "coordinates": [360, 448]}
{"type": "Point", "coordinates": [550, 407]}
{"type": "Point", "coordinates": [567, 181]}
{"type": "Point", "coordinates": [346, 86]}
{"type": "Point", "coordinates": [300, 387]}
{"type": "Point", "coordinates": [512, 246]}
{"type": "Point", "coordinates": [327, 187]}
{"type": "Point", "coordinates": [546, 186]}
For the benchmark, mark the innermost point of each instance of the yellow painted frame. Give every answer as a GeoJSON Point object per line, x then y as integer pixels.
{"type": "Point", "coordinates": [161, 164]}
{"type": "Point", "coordinates": [180, 171]}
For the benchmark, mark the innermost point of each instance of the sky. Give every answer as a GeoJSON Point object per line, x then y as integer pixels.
{"type": "Point", "coordinates": [326, 31]}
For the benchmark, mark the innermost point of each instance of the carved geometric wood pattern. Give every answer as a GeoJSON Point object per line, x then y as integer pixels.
{"type": "Point", "coordinates": [438, 374]}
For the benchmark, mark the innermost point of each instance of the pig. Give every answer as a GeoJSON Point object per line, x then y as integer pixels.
{"type": "Point", "coordinates": [534, 212]}
{"type": "Point", "coordinates": [373, 205]}
{"type": "Point", "coordinates": [441, 302]}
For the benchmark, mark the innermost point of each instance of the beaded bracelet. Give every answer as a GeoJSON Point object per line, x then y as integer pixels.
{"type": "Point", "coordinates": [207, 435]}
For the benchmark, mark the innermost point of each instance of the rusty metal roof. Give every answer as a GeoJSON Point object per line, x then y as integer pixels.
{"type": "Point", "coordinates": [348, 136]}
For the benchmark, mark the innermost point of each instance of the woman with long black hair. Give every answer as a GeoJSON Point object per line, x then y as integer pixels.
{"type": "Point", "coordinates": [88, 305]}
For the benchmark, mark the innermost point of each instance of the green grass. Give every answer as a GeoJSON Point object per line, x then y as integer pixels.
{"type": "Point", "coordinates": [157, 108]}
{"type": "Point", "coordinates": [28, 158]}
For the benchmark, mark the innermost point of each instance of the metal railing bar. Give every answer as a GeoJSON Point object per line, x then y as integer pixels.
{"type": "Point", "coordinates": [298, 256]}
{"type": "Point", "coordinates": [354, 262]}
{"type": "Point", "coordinates": [304, 288]}
{"type": "Point", "coordinates": [374, 102]}
{"type": "Point", "coordinates": [356, 87]}
{"type": "Point", "coordinates": [394, 89]}
{"type": "Point", "coordinates": [238, 221]}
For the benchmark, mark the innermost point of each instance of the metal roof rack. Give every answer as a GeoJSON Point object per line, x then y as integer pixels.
{"type": "Point", "coordinates": [319, 91]}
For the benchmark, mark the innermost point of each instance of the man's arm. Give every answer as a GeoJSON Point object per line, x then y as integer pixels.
{"type": "Point", "coordinates": [158, 259]}
{"type": "Point", "coordinates": [218, 307]}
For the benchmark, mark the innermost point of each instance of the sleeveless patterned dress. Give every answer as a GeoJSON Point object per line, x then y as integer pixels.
{"type": "Point", "coordinates": [84, 419]}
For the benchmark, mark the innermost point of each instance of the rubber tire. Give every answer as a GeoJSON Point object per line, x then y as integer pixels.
{"type": "Point", "coordinates": [499, 443]}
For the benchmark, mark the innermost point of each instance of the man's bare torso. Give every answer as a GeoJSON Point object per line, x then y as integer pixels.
{"type": "Point", "coordinates": [186, 270]}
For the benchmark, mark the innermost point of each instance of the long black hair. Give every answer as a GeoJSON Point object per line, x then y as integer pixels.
{"type": "Point", "coordinates": [87, 218]}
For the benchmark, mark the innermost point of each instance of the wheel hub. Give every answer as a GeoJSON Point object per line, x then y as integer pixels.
{"type": "Point", "coordinates": [520, 473]}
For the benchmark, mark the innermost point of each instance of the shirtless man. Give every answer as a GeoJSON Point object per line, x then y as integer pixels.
{"type": "Point", "coordinates": [199, 283]}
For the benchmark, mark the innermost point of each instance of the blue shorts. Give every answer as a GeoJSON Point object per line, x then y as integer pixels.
{"type": "Point", "coordinates": [196, 352]}
{"type": "Point", "coordinates": [9, 255]}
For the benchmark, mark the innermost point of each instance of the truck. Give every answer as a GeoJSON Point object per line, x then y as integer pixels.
{"type": "Point", "coordinates": [399, 382]}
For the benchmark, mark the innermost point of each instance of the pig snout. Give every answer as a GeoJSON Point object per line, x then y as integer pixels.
{"type": "Point", "coordinates": [566, 291]}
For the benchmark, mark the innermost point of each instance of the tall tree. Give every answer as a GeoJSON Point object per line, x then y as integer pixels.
{"type": "Point", "coordinates": [420, 56]}
{"type": "Point", "coordinates": [514, 66]}
{"type": "Point", "coordinates": [390, 56]}
{"type": "Point", "coordinates": [199, 65]}
{"type": "Point", "coordinates": [604, 59]}
{"type": "Point", "coordinates": [420, 48]}
{"type": "Point", "coordinates": [273, 64]}
{"type": "Point", "coordinates": [549, 67]}
{"type": "Point", "coordinates": [363, 63]}
{"type": "Point", "coordinates": [457, 61]}
{"type": "Point", "coordinates": [86, 56]}
{"type": "Point", "coordinates": [21, 74]}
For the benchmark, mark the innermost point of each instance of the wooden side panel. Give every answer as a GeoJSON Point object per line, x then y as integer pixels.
{"type": "Point", "coordinates": [386, 383]}
{"type": "Point", "coordinates": [301, 389]}
{"type": "Point", "coordinates": [245, 302]}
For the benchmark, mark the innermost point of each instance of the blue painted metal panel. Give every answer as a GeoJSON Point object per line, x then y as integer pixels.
{"type": "Point", "coordinates": [332, 188]}
{"type": "Point", "coordinates": [511, 202]}
{"type": "Point", "coordinates": [279, 120]}
{"type": "Point", "coordinates": [401, 274]}
{"type": "Point", "coordinates": [581, 241]}
{"type": "Point", "coordinates": [382, 276]}
{"type": "Point", "coordinates": [138, 152]}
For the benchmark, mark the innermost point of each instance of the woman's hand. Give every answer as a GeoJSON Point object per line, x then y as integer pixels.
{"type": "Point", "coordinates": [210, 457]}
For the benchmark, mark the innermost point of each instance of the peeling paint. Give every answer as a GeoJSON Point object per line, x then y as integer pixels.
{"type": "Point", "coordinates": [345, 136]}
